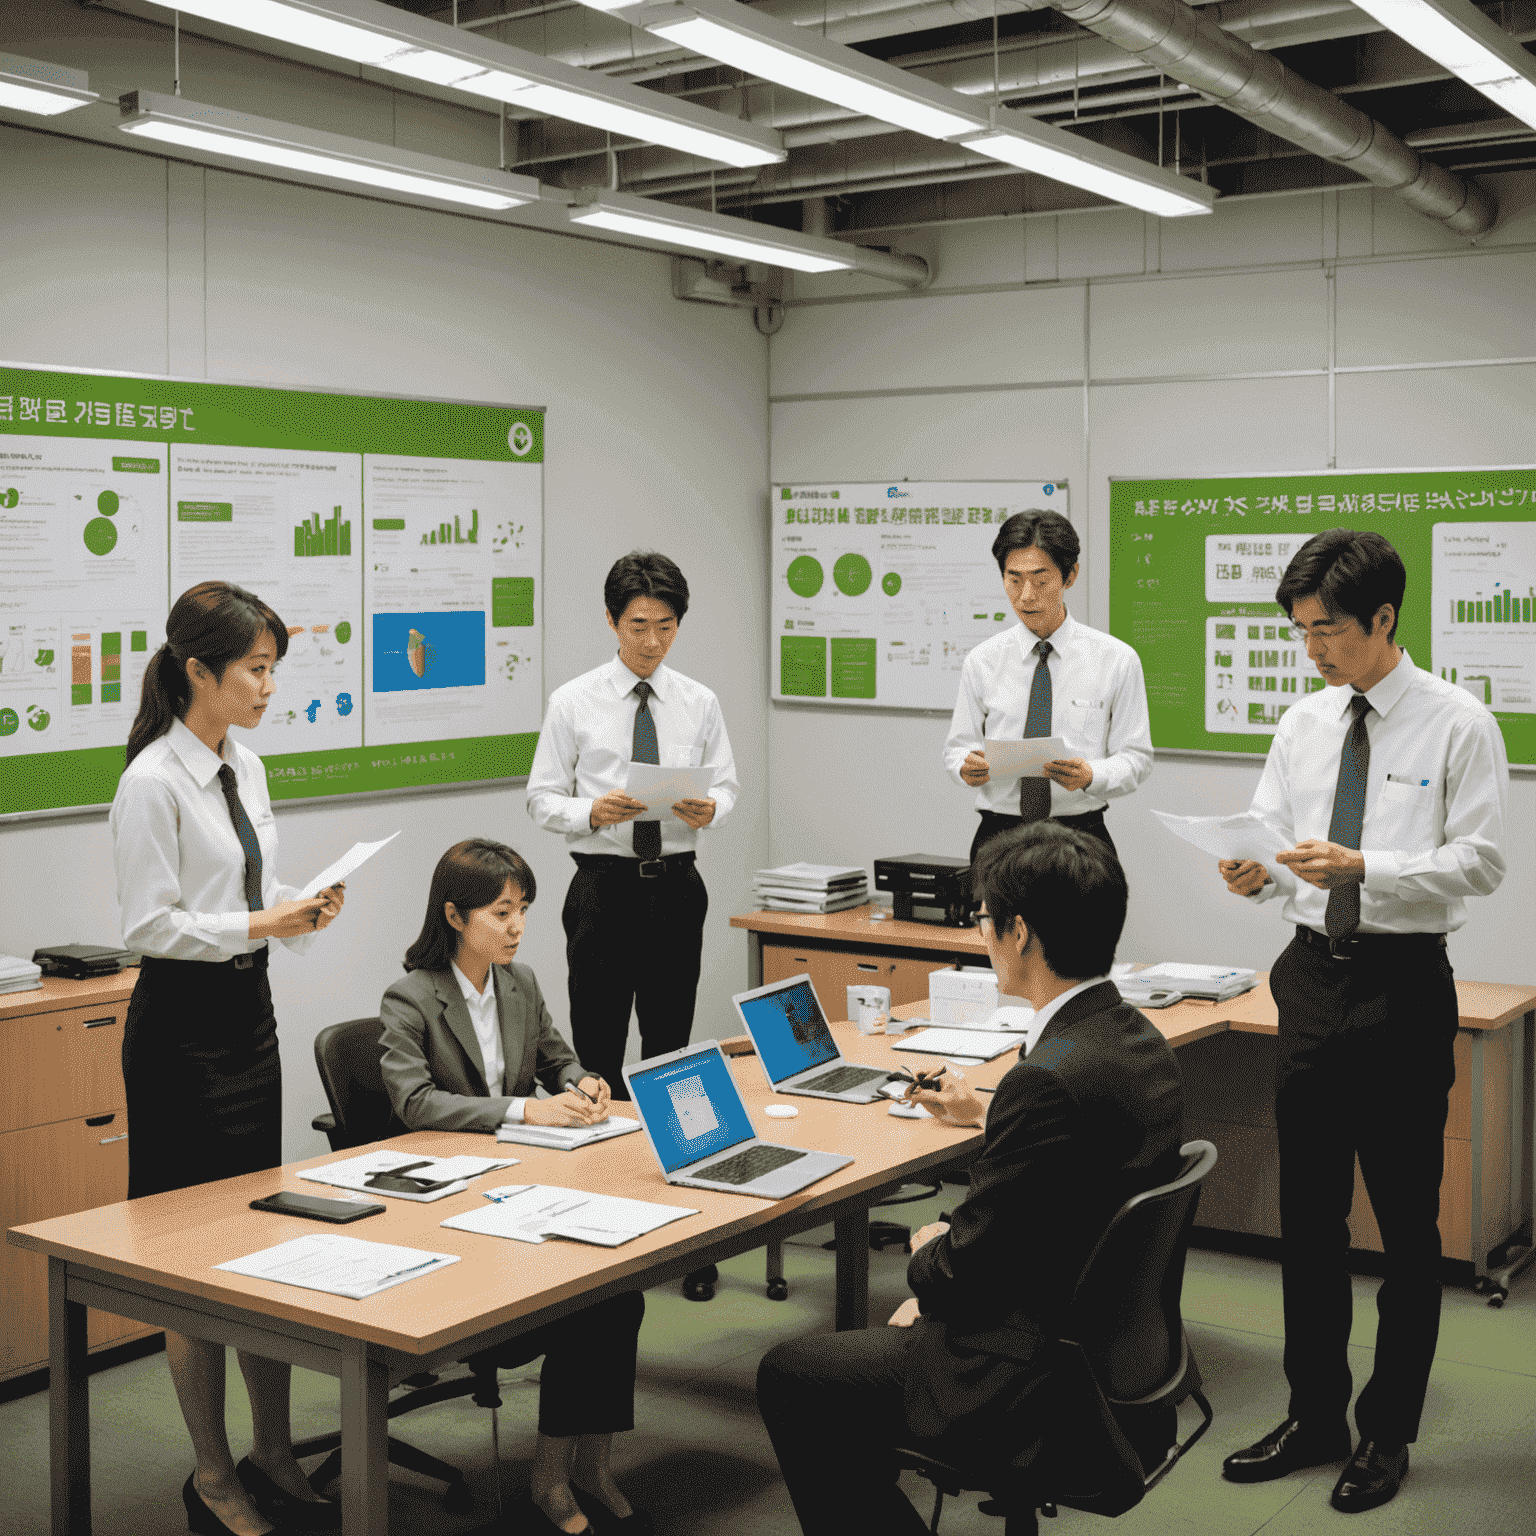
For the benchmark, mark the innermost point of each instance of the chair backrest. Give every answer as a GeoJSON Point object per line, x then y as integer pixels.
{"type": "Point", "coordinates": [1125, 1309]}
{"type": "Point", "coordinates": [347, 1057]}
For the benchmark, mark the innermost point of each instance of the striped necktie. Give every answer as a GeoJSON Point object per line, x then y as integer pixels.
{"type": "Point", "coordinates": [644, 750]}
{"type": "Point", "coordinates": [1035, 794]}
{"type": "Point", "coordinates": [1343, 915]}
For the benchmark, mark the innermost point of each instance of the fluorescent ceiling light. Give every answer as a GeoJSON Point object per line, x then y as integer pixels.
{"type": "Point", "coordinates": [31, 85]}
{"type": "Point", "coordinates": [193, 125]}
{"type": "Point", "coordinates": [1469, 44]}
{"type": "Point", "coordinates": [696, 230]}
{"type": "Point", "coordinates": [370, 32]}
{"type": "Point", "coordinates": [1019, 140]}
{"type": "Point", "coordinates": [794, 56]}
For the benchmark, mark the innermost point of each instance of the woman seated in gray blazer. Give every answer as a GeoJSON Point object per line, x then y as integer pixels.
{"type": "Point", "coordinates": [466, 1038]}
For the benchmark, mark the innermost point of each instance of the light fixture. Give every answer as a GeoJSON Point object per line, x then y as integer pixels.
{"type": "Point", "coordinates": [31, 85]}
{"type": "Point", "coordinates": [370, 32]}
{"type": "Point", "coordinates": [747, 39]}
{"type": "Point", "coordinates": [194, 125]}
{"type": "Point", "coordinates": [1019, 140]}
{"type": "Point", "coordinates": [1469, 44]}
{"type": "Point", "coordinates": [696, 230]}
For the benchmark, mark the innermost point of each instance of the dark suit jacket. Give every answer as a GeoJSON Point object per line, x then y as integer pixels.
{"type": "Point", "coordinates": [1093, 1115]}
{"type": "Point", "coordinates": [432, 1065]}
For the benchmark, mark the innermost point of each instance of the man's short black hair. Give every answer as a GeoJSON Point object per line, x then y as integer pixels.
{"type": "Point", "coordinates": [1067, 887]}
{"type": "Point", "coordinates": [644, 573]}
{"type": "Point", "coordinates": [1038, 529]}
{"type": "Point", "coordinates": [1351, 573]}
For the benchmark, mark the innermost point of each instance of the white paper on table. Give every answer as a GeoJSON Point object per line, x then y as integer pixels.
{"type": "Point", "coordinates": [354, 858]}
{"type": "Point", "coordinates": [1242, 836]}
{"type": "Point", "coordinates": [531, 1212]}
{"type": "Point", "coordinates": [1023, 759]}
{"type": "Point", "coordinates": [659, 789]}
{"type": "Point", "coordinates": [343, 1266]}
{"type": "Point", "coordinates": [353, 1172]}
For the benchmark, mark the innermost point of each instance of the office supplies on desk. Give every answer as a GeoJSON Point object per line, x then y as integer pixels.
{"type": "Point", "coordinates": [354, 858]}
{"type": "Point", "coordinates": [701, 1133]}
{"type": "Point", "coordinates": [927, 888]}
{"type": "Point", "coordinates": [339, 1265]}
{"type": "Point", "coordinates": [566, 1138]}
{"type": "Point", "coordinates": [447, 1173]}
{"type": "Point", "coordinates": [82, 962]}
{"type": "Point", "coordinates": [795, 1045]}
{"type": "Point", "coordinates": [1216, 983]}
{"type": "Point", "coordinates": [961, 1044]}
{"type": "Point", "coordinates": [531, 1212]}
{"type": "Point", "coordinates": [810, 887]}
{"type": "Point", "coordinates": [18, 975]}
{"type": "Point", "coordinates": [869, 1007]}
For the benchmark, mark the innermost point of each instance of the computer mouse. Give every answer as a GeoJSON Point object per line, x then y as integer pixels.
{"type": "Point", "coordinates": [909, 1112]}
{"type": "Point", "coordinates": [781, 1111]}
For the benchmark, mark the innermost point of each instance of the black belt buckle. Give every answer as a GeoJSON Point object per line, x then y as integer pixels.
{"type": "Point", "coordinates": [1343, 947]}
{"type": "Point", "coordinates": [651, 869]}
{"type": "Point", "coordinates": [244, 962]}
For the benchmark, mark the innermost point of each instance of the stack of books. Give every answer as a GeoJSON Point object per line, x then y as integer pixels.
{"type": "Point", "coordinates": [1218, 983]}
{"type": "Point", "coordinates": [18, 975]}
{"type": "Point", "coordinates": [810, 888]}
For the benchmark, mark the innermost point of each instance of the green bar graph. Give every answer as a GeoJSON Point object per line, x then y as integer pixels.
{"type": "Point", "coordinates": [454, 532]}
{"type": "Point", "coordinates": [333, 537]}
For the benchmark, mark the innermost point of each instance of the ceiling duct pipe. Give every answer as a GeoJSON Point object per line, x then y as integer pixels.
{"type": "Point", "coordinates": [1184, 43]}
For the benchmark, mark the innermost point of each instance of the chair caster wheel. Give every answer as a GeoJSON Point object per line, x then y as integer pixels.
{"type": "Point", "coordinates": [1497, 1297]}
{"type": "Point", "coordinates": [778, 1290]}
{"type": "Point", "coordinates": [457, 1499]}
{"type": "Point", "coordinates": [699, 1284]}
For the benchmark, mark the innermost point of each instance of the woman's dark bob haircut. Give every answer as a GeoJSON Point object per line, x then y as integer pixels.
{"type": "Point", "coordinates": [471, 875]}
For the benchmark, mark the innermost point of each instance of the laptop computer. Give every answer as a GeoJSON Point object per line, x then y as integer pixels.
{"type": "Point", "coordinates": [795, 1044]}
{"type": "Point", "coordinates": [701, 1134]}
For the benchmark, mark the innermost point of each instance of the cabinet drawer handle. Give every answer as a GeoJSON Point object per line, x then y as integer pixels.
{"type": "Point", "coordinates": [864, 965]}
{"type": "Point", "coordinates": [97, 1023]}
{"type": "Point", "coordinates": [106, 1141]}
{"type": "Point", "coordinates": [101, 1119]}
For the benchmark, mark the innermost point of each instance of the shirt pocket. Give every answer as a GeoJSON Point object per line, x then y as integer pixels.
{"type": "Point", "coordinates": [682, 757]}
{"type": "Point", "coordinates": [1405, 817]}
{"type": "Point", "coordinates": [1087, 721]}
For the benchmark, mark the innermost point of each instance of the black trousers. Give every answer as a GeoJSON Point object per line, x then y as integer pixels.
{"type": "Point", "coordinates": [1365, 1068]}
{"type": "Point", "coordinates": [632, 944]}
{"type": "Point", "coordinates": [992, 823]}
{"type": "Point", "coordinates": [587, 1386]}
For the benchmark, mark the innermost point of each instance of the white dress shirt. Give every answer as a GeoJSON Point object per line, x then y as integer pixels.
{"type": "Point", "coordinates": [485, 1015]}
{"type": "Point", "coordinates": [586, 745]}
{"type": "Point", "coordinates": [180, 866]}
{"type": "Point", "coordinates": [1098, 707]}
{"type": "Point", "coordinates": [1435, 798]}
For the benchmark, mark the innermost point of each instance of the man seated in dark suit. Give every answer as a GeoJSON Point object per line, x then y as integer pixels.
{"type": "Point", "coordinates": [1093, 1115]}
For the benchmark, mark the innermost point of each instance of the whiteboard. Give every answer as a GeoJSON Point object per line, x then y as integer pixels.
{"type": "Point", "coordinates": [880, 591]}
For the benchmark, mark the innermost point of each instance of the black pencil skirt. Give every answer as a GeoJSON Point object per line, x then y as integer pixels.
{"type": "Point", "coordinates": [200, 1064]}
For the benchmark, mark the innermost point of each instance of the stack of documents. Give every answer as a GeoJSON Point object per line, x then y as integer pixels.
{"type": "Point", "coordinates": [566, 1138]}
{"type": "Point", "coordinates": [18, 975]}
{"type": "Point", "coordinates": [1215, 982]}
{"type": "Point", "coordinates": [344, 1266]}
{"type": "Point", "coordinates": [353, 1172]}
{"type": "Point", "coordinates": [811, 887]}
{"type": "Point", "coordinates": [531, 1212]}
{"type": "Point", "coordinates": [963, 1044]}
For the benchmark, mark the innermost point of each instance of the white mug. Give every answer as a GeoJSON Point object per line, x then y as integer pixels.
{"type": "Point", "coordinates": [869, 1008]}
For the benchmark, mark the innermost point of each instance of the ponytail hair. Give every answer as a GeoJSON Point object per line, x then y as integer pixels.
{"type": "Point", "coordinates": [215, 623]}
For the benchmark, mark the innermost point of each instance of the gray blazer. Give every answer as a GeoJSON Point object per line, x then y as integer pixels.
{"type": "Point", "coordinates": [433, 1068]}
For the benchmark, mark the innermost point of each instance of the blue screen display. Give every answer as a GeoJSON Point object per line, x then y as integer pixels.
{"type": "Point", "coordinates": [789, 1030]}
{"type": "Point", "coordinates": [691, 1108]}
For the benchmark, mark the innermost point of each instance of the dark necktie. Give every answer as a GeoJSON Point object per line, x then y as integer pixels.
{"type": "Point", "coordinates": [247, 835]}
{"type": "Point", "coordinates": [1343, 915]}
{"type": "Point", "coordinates": [1035, 794]}
{"type": "Point", "coordinates": [643, 750]}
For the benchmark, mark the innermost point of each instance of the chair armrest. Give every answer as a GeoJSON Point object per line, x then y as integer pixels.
{"type": "Point", "coordinates": [325, 1123]}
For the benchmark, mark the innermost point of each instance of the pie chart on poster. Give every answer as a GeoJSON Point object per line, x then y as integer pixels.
{"type": "Point", "coordinates": [890, 583]}
{"type": "Point", "coordinates": [853, 574]}
{"type": "Point", "coordinates": [805, 576]}
{"type": "Point", "coordinates": [101, 535]}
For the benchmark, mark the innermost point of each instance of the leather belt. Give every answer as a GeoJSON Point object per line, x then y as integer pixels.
{"type": "Point", "coordinates": [1366, 946]}
{"type": "Point", "coordinates": [642, 869]}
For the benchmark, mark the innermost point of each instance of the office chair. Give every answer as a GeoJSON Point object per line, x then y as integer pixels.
{"type": "Point", "coordinates": [1125, 1359]}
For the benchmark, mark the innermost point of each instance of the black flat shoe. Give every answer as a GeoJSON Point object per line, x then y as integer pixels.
{"type": "Point", "coordinates": [202, 1521]}
{"type": "Point", "coordinates": [280, 1506]}
{"type": "Point", "coordinates": [1288, 1448]}
{"type": "Point", "coordinates": [637, 1522]}
{"type": "Point", "coordinates": [1372, 1478]}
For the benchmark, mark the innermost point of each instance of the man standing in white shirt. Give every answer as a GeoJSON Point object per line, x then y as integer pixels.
{"type": "Point", "coordinates": [634, 913]}
{"type": "Point", "coordinates": [1392, 786]}
{"type": "Point", "coordinates": [1050, 677]}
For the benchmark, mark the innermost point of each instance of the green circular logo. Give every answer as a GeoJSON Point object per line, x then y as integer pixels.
{"type": "Point", "coordinates": [805, 576]}
{"type": "Point", "coordinates": [37, 717]}
{"type": "Point", "coordinates": [10, 497]}
{"type": "Point", "coordinates": [100, 535]}
{"type": "Point", "coordinates": [853, 575]}
{"type": "Point", "coordinates": [343, 632]}
{"type": "Point", "coordinates": [10, 722]}
{"type": "Point", "coordinates": [107, 503]}
{"type": "Point", "coordinates": [520, 439]}
{"type": "Point", "coordinates": [890, 583]}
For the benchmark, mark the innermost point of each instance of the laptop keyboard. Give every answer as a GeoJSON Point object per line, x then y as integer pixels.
{"type": "Point", "coordinates": [748, 1165]}
{"type": "Point", "coordinates": [841, 1078]}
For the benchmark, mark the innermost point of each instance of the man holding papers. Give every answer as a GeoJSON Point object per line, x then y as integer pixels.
{"type": "Point", "coordinates": [1051, 677]}
{"type": "Point", "coordinates": [634, 913]}
{"type": "Point", "coordinates": [1388, 788]}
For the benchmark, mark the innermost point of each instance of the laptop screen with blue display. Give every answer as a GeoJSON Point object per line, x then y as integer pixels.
{"type": "Point", "coordinates": [691, 1108]}
{"type": "Point", "coordinates": [789, 1029]}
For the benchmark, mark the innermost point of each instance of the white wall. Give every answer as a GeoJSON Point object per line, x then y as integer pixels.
{"type": "Point", "coordinates": [983, 376]}
{"type": "Point", "coordinates": [656, 438]}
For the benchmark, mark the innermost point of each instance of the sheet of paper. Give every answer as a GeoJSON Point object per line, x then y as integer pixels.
{"type": "Point", "coordinates": [1242, 836]}
{"type": "Point", "coordinates": [354, 858]}
{"type": "Point", "coordinates": [531, 1212]}
{"type": "Point", "coordinates": [1023, 759]}
{"type": "Point", "coordinates": [352, 1173]}
{"type": "Point", "coordinates": [659, 789]}
{"type": "Point", "coordinates": [343, 1266]}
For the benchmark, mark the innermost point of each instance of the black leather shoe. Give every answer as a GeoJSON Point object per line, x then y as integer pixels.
{"type": "Point", "coordinates": [202, 1521]}
{"type": "Point", "coordinates": [1372, 1478]}
{"type": "Point", "coordinates": [280, 1506]}
{"type": "Point", "coordinates": [637, 1523]}
{"type": "Point", "coordinates": [1288, 1448]}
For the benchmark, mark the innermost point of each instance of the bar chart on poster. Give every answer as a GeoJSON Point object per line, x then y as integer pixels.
{"type": "Point", "coordinates": [399, 540]}
{"type": "Point", "coordinates": [1194, 565]}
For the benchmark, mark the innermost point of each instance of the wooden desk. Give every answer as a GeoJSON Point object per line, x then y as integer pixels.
{"type": "Point", "coordinates": [152, 1260]}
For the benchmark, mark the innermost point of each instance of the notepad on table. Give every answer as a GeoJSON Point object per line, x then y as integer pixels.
{"type": "Point", "coordinates": [963, 1044]}
{"type": "Point", "coordinates": [566, 1138]}
{"type": "Point", "coordinates": [341, 1266]}
{"type": "Point", "coordinates": [531, 1212]}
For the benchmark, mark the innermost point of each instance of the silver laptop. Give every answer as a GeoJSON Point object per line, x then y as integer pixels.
{"type": "Point", "coordinates": [701, 1133]}
{"type": "Point", "coordinates": [795, 1044]}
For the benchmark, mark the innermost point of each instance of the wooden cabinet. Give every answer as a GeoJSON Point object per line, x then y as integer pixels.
{"type": "Point", "coordinates": [63, 1143]}
{"type": "Point", "coordinates": [832, 971]}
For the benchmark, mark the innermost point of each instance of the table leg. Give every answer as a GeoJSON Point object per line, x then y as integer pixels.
{"type": "Point", "coordinates": [754, 959]}
{"type": "Point", "coordinates": [69, 1409]}
{"type": "Point", "coordinates": [364, 1443]}
{"type": "Point", "coordinates": [1479, 1248]}
{"type": "Point", "coordinates": [852, 1234]}
{"type": "Point", "coordinates": [1520, 1250]}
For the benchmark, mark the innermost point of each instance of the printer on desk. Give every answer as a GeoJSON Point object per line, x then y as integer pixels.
{"type": "Point", "coordinates": [927, 888]}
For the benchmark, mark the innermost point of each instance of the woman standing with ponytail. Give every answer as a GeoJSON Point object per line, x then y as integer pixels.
{"type": "Point", "coordinates": [195, 844]}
